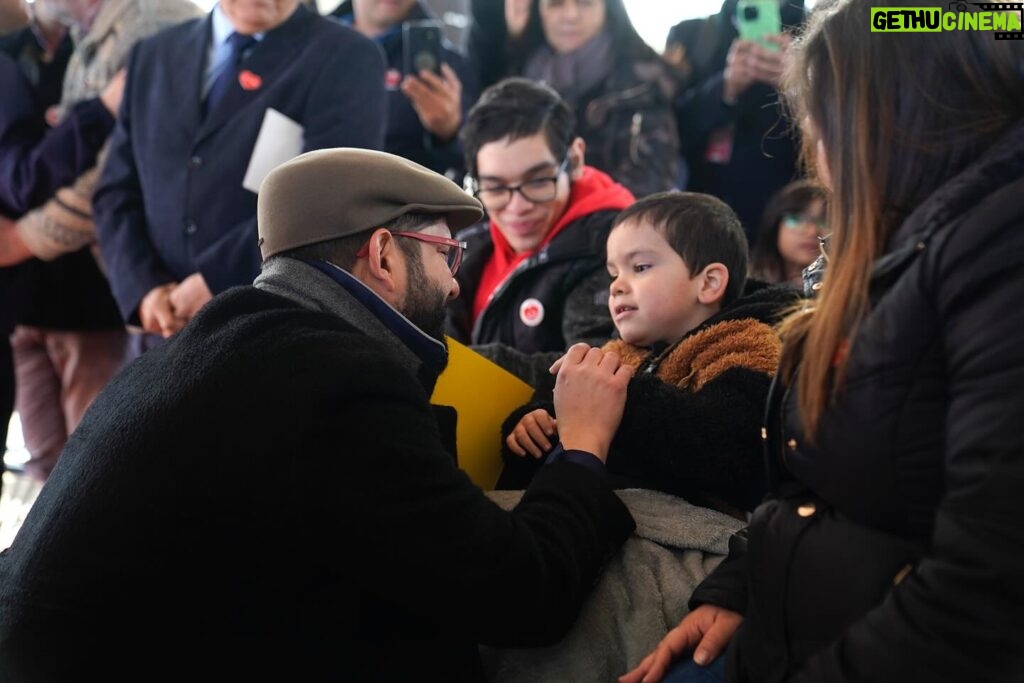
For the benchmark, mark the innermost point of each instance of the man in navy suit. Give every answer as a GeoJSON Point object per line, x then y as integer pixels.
{"type": "Point", "coordinates": [175, 223]}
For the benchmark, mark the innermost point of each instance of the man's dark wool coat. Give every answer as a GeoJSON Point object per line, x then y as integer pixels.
{"type": "Point", "coordinates": [268, 493]}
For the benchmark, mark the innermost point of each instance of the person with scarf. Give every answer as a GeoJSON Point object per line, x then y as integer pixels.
{"type": "Point", "coordinates": [588, 51]}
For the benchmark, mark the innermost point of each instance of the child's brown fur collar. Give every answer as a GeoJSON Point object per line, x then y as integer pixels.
{"type": "Point", "coordinates": [704, 355]}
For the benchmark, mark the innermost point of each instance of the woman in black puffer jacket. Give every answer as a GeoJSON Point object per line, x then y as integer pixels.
{"type": "Point", "coordinates": [892, 547]}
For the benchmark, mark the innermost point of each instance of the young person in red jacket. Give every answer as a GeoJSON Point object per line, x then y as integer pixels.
{"type": "Point", "coordinates": [534, 277]}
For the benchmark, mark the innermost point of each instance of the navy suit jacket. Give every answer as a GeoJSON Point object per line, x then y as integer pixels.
{"type": "Point", "coordinates": [170, 201]}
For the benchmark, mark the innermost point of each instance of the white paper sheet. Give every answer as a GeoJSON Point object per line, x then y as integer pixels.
{"type": "Point", "coordinates": [279, 140]}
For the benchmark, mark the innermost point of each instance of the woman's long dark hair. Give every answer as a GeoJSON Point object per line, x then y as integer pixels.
{"type": "Point", "coordinates": [626, 42]}
{"type": "Point", "coordinates": [897, 115]}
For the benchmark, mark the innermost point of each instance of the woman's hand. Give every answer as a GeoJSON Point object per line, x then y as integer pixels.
{"type": "Point", "coordinates": [748, 63]}
{"type": "Point", "coordinates": [707, 628]}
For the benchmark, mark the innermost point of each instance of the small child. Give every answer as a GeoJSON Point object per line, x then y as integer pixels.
{"type": "Point", "coordinates": [704, 357]}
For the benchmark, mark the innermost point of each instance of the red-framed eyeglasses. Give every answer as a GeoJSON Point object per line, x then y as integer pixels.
{"type": "Point", "coordinates": [454, 254]}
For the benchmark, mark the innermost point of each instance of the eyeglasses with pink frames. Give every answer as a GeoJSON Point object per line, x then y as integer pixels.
{"type": "Point", "coordinates": [454, 255]}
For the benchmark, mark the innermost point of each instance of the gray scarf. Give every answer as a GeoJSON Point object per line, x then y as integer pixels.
{"type": "Point", "coordinates": [311, 289]}
{"type": "Point", "coordinates": [573, 74]}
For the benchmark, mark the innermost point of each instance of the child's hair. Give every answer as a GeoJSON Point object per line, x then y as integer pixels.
{"type": "Point", "coordinates": [766, 262]}
{"type": "Point", "coordinates": [700, 228]}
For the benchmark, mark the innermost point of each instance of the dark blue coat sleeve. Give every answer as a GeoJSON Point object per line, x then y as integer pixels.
{"type": "Point", "coordinates": [35, 161]}
{"type": "Point", "coordinates": [131, 259]}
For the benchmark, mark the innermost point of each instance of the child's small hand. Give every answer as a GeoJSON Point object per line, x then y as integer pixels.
{"type": "Point", "coordinates": [532, 434]}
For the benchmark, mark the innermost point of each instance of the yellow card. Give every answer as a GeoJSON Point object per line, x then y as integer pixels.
{"type": "Point", "coordinates": [484, 394]}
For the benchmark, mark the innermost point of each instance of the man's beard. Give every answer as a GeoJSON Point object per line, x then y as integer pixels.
{"type": "Point", "coordinates": [425, 305]}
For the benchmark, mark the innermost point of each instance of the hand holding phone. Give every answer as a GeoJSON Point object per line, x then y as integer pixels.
{"type": "Point", "coordinates": [748, 63]}
{"type": "Point", "coordinates": [759, 54]}
{"type": "Point", "coordinates": [437, 100]}
{"type": "Point", "coordinates": [421, 47]}
{"type": "Point", "coordinates": [756, 20]}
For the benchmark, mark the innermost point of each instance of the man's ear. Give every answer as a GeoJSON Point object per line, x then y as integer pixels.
{"type": "Point", "coordinates": [378, 270]}
{"type": "Point", "coordinates": [714, 280]}
{"type": "Point", "coordinates": [577, 154]}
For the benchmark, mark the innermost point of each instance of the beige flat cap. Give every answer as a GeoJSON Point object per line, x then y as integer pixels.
{"type": "Point", "coordinates": [329, 193]}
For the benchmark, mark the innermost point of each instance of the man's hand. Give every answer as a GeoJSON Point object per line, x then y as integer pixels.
{"type": "Point", "coordinates": [708, 628]}
{"type": "Point", "coordinates": [556, 365]}
{"type": "Point", "coordinates": [749, 63]}
{"type": "Point", "coordinates": [517, 16]}
{"type": "Point", "coordinates": [590, 394]}
{"type": "Point", "coordinates": [533, 434]}
{"type": "Point", "coordinates": [437, 100]}
{"type": "Point", "coordinates": [112, 94]}
{"type": "Point", "coordinates": [12, 248]}
{"type": "Point", "coordinates": [188, 297]}
{"type": "Point", "coordinates": [156, 312]}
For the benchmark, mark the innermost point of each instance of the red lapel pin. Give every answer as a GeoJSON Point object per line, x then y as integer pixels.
{"type": "Point", "coordinates": [249, 81]}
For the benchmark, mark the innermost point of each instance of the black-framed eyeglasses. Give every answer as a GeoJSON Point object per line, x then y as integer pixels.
{"type": "Point", "coordinates": [535, 190]}
{"type": "Point", "coordinates": [453, 255]}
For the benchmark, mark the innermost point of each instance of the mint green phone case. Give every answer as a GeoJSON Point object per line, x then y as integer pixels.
{"type": "Point", "coordinates": [756, 19]}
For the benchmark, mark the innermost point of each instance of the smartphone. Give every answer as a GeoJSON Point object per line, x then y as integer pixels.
{"type": "Point", "coordinates": [758, 19]}
{"type": "Point", "coordinates": [421, 47]}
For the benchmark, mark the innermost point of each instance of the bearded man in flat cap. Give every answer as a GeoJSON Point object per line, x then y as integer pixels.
{"type": "Point", "coordinates": [329, 534]}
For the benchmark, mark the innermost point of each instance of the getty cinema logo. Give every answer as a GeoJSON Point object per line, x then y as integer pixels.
{"type": "Point", "coordinates": [1004, 18]}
